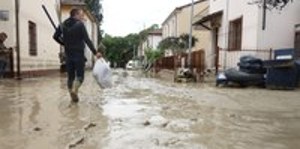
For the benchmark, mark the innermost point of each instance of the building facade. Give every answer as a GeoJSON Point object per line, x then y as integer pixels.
{"type": "Point", "coordinates": [153, 39]}
{"type": "Point", "coordinates": [30, 33]}
{"type": "Point", "coordinates": [178, 23]}
{"type": "Point", "coordinates": [239, 28]}
{"type": "Point", "coordinates": [38, 52]}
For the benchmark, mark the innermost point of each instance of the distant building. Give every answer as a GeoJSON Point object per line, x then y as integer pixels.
{"type": "Point", "coordinates": [178, 23]}
{"type": "Point", "coordinates": [153, 39]}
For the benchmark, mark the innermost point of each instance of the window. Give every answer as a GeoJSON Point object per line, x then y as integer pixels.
{"type": "Point", "coordinates": [235, 34]}
{"type": "Point", "coordinates": [4, 15]}
{"type": "Point", "coordinates": [32, 39]}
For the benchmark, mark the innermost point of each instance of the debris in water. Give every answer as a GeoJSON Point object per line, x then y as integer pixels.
{"type": "Point", "coordinates": [90, 125]}
{"type": "Point", "coordinates": [147, 123]}
{"type": "Point", "coordinates": [232, 115]}
{"type": "Point", "coordinates": [165, 124]}
{"type": "Point", "coordinates": [79, 141]}
{"type": "Point", "coordinates": [194, 119]}
{"type": "Point", "coordinates": [37, 129]}
{"type": "Point", "coordinates": [172, 141]}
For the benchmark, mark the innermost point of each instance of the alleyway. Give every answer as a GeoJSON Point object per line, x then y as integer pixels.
{"type": "Point", "coordinates": [145, 113]}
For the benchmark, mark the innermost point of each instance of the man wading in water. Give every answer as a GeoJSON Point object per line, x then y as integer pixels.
{"type": "Point", "coordinates": [72, 35]}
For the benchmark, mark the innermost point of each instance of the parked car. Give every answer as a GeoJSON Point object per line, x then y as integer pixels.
{"type": "Point", "coordinates": [133, 64]}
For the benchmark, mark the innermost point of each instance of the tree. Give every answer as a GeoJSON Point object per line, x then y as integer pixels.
{"type": "Point", "coordinates": [177, 44]}
{"type": "Point", "coordinates": [120, 49]}
{"type": "Point", "coordinates": [271, 4]}
{"type": "Point", "coordinates": [153, 54]}
{"type": "Point", "coordinates": [123, 49]}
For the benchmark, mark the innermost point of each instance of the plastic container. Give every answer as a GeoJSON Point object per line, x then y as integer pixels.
{"type": "Point", "coordinates": [282, 78]}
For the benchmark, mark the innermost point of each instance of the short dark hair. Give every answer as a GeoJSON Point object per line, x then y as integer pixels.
{"type": "Point", "coordinates": [74, 12]}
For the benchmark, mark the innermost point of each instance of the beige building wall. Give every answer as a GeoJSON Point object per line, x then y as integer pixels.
{"type": "Point", "coordinates": [179, 23]}
{"type": "Point", "coordinates": [47, 49]}
{"type": "Point", "coordinates": [8, 26]}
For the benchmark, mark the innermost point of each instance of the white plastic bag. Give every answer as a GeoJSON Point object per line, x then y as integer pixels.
{"type": "Point", "coordinates": [102, 73]}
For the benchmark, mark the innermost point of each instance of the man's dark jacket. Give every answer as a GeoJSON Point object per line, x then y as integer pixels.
{"type": "Point", "coordinates": [72, 35]}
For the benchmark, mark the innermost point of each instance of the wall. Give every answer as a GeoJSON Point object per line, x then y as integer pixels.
{"type": "Point", "coordinates": [154, 40]}
{"type": "Point", "coordinates": [179, 23]}
{"type": "Point", "coordinates": [8, 26]}
{"type": "Point", "coordinates": [280, 28]}
{"type": "Point", "coordinates": [203, 36]}
{"type": "Point", "coordinates": [279, 33]}
{"type": "Point", "coordinates": [47, 49]}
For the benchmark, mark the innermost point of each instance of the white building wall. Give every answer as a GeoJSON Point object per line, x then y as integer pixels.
{"type": "Point", "coordinates": [280, 28]}
{"type": "Point", "coordinates": [216, 5]}
{"type": "Point", "coordinates": [279, 33]}
{"type": "Point", "coordinates": [47, 48]}
{"type": "Point", "coordinates": [88, 53]}
{"type": "Point", "coordinates": [8, 26]}
{"type": "Point", "coordinates": [154, 41]}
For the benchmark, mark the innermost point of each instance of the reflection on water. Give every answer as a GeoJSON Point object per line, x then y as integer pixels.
{"type": "Point", "coordinates": [141, 112]}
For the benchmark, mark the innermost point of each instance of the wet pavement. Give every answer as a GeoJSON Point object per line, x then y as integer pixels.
{"type": "Point", "coordinates": [143, 113]}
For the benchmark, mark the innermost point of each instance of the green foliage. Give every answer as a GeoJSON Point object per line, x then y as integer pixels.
{"type": "Point", "coordinates": [184, 41]}
{"type": "Point", "coordinates": [120, 49]}
{"type": "Point", "coordinates": [153, 54]}
{"type": "Point", "coordinates": [170, 43]}
{"type": "Point", "coordinates": [95, 8]}
{"type": "Point", "coordinates": [177, 44]}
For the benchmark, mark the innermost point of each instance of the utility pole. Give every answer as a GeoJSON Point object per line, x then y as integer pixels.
{"type": "Point", "coordinates": [190, 36]}
{"type": "Point", "coordinates": [264, 14]}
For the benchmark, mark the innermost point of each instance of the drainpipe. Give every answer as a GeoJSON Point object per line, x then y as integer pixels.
{"type": "Point", "coordinates": [264, 14]}
{"type": "Point", "coordinates": [17, 5]}
{"type": "Point", "coordinates": [190, 36]}
{"type": "Point", "coordinates": [226, 36]}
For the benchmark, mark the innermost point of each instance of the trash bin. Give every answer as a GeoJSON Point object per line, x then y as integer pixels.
{"type": "Point", "coordinates": [281, 74]}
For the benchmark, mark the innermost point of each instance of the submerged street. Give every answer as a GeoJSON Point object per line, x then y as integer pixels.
{"type": "Point", "coordinates": [142, 113]}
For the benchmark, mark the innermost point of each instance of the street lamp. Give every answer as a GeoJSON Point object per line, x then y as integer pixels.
{"type": "Point", "coordinates": [190, 35]}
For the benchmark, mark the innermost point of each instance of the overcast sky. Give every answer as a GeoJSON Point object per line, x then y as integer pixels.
{"type": "Point", "coordinates": [122, 17]}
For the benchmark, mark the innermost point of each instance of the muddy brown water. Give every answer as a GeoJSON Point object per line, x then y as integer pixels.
{"type": "Point", "coordinates": [145, 113]}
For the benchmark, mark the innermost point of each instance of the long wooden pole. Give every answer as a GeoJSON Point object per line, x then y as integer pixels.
{"type": "Point", "coordinates": [17, 5]}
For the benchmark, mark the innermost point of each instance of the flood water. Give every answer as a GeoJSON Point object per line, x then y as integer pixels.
{"type": "Point", "coordinates": [145, 113]}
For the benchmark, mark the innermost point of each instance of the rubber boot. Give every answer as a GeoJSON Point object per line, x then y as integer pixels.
{"type": "Point", "coordinates": [74, 91]}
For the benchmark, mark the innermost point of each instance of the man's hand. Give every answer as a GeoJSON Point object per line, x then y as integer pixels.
{"type": "Point", "coordinates": [98, 55]}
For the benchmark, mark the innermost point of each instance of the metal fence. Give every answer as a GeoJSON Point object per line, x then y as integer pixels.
{"type": "Point", "coordinates": [181, 60]}
{"type": "Point", "coordinates": [229, 59]}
